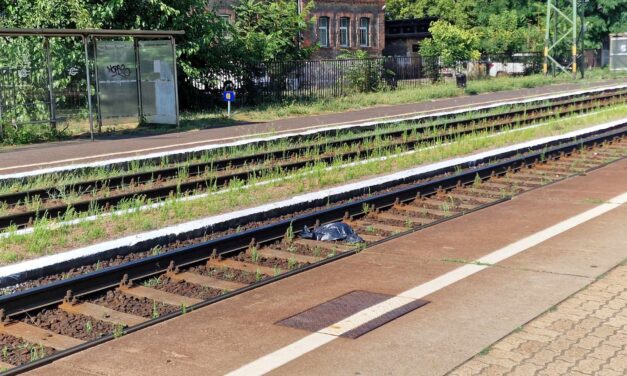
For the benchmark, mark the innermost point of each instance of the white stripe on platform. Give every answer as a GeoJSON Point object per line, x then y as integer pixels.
{"type": "Point", "coordinates": [313, 341]}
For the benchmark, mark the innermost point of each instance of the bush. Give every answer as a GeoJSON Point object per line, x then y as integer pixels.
{"type": "Point", "coordinates": [365, 74]}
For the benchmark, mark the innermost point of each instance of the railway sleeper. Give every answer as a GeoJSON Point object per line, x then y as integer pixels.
{"type": "Point", "coordinates": [33, 334]}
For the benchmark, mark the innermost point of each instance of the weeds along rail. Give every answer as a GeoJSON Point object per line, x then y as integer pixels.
{"type": "Point", "coordinates": [107, 303]}
{"type": "Point", "coordinates": [22, 209]}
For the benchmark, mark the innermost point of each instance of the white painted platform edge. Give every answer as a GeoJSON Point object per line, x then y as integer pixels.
{"type": "Point", "coordinates": [103, 163]}
{"type": "Point", "coordinates": [295, 350]}
{"type": "Point", "coordinates": [47, 261]}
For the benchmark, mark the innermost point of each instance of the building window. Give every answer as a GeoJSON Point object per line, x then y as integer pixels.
{"type": "Point", "coordinates": [344, 29]}
{"type": "Point", "coordinates": [364, 32]}
{"type": "Point", "coordinates": [225, 18]}
{"type": "Point", "coordinates": [323, 31]}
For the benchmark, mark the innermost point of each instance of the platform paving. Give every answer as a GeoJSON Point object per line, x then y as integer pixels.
{"type": "Point", "coordinates": [33, 157]}
{"type": "Point", "coordinates": [584, 335]}
{"type": "Point", "coordinates": [460, 321]}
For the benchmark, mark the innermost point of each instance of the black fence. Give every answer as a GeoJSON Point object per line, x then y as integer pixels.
{"type": "Point", "coordinates": [278, 81]}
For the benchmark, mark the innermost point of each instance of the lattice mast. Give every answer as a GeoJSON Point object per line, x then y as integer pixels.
{"type": "Point", "coordinates": [562, 26]}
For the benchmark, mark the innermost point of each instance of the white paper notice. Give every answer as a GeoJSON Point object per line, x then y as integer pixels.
{"type": "Point", "coordinates": [157, 66]}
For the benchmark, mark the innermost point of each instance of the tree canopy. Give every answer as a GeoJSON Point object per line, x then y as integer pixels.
{"type": "Point", "coordinates": [511, 25]}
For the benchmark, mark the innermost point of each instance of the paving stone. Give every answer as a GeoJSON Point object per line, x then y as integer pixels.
{"type": "Point", "coordinates": [573, 354]}
{"type": "Point", "coordinates": [604, 331]}
{"type": "Point", "coordinates": [604, 352]}
{"type": "Point", "coordinates": [543, 332]}
{"type": "Point", "coordinates": [609, 372]}
{"type": "Point", "coordinates": [585, 335]}
{"type": "Point", "coordinates": [563, 325]}
{"type": "Point", "coordinates": [494, 370]}
{"type": "Point", "coordinates": [530, 347]}
{"type": "Point", "coordinates": [618, 363]}
{"type": "Point", "coordinates": [589, 365]}
{"type": "Point", "coordinates": [604, 313]}
{"type": "Point", "coordinates": [590, 322]}
{"type": "Point", "coordinates": [524, 369]}
{"type": "Point", "coordinates": [560, 344]}
{"type": "Point", "coordinates": [543, 357]}
{"type": "Point", "coordinates": [559, 367]}
{"type": "Point", "coordinates": [589, 342]}
{"type": "Point", "coordinates": [617, 340]}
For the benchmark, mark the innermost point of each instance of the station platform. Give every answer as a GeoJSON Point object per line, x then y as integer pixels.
{"type": "Point", "coordinates": [40, 156]}
{"type": "Point", "coordinates": [486, 276]}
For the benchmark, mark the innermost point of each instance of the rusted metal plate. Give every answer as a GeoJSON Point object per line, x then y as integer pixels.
{"type": "Point", "coordinates": [240, 265]}
{"type": "Point", "coordinates": [331, 246]}
{"type": "Point", "coordinates": [206, 281]}
{"type": "Point", "coordinates": [335, 310]}
{"type": "Point", "coordinates": [404, 218]}
{"type": "Point", "coordinates": [159, 296]}
{"type": "Point", "coordinates": [35, 335]}
{"type": "Point", "coordinates": [102, 313]}
{"type": "Point", "coordinates": [282, 255]}
{"type": "Point", "coordinates": [384, 319]}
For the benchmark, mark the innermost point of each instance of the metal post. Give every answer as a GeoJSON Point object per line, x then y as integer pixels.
{"type": "Point", "coordinates": [547, 40]}
{"type": "Point", "coordinates": [574, 38]}
{"type": "Point", "coordinates": [99, 114]}
{"type": "Point", "coordinates": [176, 84]}
{"type": "Point", "coordinates": [91, 117]}
{"type": "Point", "coordinates": [140, 102]}
{"type": "Point", "coordinates": [52, 107]}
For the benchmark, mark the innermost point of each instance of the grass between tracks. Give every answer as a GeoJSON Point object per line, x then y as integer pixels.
{"type": "Point", "coordinates": [46, 240]}
{"type": "Point", "coordinates": [316, 142]}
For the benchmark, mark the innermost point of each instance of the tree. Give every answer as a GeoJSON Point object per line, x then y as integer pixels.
{"type": "Point", "coordinates": [269, 30]}
{"type": "Point", "coordinates": [603, 17]}
{"type": "Point", "coordinates": [451, 44]}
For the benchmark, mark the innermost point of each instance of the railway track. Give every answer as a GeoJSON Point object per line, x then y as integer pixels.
{"type": "Point", "coordinates": [22, 209]}
{"type": "Point", "coordinates": [59, 318]}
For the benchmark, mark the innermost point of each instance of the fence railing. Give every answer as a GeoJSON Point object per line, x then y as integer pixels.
{"type": "Point", "coordinates": [276, 81]}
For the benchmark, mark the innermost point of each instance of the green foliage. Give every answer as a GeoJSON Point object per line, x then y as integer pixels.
{"type": "Point", "coordinates": [603, 17]}
{"type": "Point", "coordinates": [269, 30]}
{"type": "Point", "coordinates": [451, 43]}
{"type": "Point", "coordinates": [503, 33]}
{"type": "Point", "coordinates": [364, 74]}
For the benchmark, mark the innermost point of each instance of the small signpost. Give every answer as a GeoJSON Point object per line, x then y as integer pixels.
{"type": "Point", "coordinates": [228, 95]}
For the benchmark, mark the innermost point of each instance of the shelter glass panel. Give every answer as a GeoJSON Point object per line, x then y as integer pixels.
{"type": "Point", "coordinates": [158, 89]}
{"type": "Point", "coordinates": [116, 72]}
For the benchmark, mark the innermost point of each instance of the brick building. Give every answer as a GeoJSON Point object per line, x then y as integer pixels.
{"type": "Point", "coordinates": [337, 25]}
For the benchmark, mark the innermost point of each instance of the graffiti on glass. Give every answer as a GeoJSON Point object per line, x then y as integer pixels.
{"type": "Point", "coordinates": [119, 70]}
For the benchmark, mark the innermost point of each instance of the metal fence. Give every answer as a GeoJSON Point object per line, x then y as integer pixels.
{"type": "Point", "coordinates": [277, 81]}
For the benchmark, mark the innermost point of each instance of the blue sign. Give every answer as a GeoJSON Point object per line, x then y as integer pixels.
{"type": "Point", "coordinates": [228, 96]}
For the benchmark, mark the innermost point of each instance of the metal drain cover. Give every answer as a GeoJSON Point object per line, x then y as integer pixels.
{"type": "Point", "coordinates": [329, 313]}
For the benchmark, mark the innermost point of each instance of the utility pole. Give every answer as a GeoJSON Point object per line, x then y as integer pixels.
{"type": "Point", "coordinates": [564, 30]}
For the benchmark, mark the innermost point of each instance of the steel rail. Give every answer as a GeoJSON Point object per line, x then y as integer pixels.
{"type": "Point", "coordinates": [60, 354]}
{"type": "Point", "coordinates": [23, 219]}
{"type": "Point", "coordinates": [86, 284]}
{"type": "Point", "coordinates": [199, 167]}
